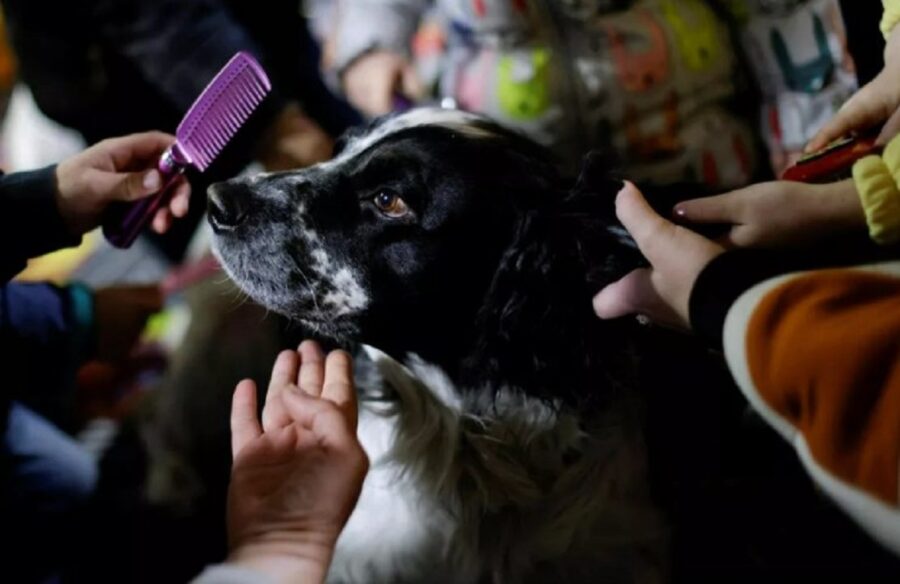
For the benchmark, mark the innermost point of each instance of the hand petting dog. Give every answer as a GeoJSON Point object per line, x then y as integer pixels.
{"type": "Point", "coordinates": [297, 476]}
{"type": "Point", "coordinates": [676, 255]}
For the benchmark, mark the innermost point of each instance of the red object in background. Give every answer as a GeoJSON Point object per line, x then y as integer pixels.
{"type": "Point", "coordinates": [835, 161]}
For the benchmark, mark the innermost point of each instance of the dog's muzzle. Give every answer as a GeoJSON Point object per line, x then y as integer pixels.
{"type": "Point", "coordinates": [228, 205]}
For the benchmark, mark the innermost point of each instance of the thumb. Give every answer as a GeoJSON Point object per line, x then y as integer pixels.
{"type": "Point", "coordinates": [624, 297]}
{"type": "Point", "coordinates": [131, 186]}
{"type": "Point", "coordinates": [245, 426]}
{"type": "Point", "coordinates": [651, 232]}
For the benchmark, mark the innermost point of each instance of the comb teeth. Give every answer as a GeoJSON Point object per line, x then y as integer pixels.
{"type": "Point", "coordinates": [222, 109]}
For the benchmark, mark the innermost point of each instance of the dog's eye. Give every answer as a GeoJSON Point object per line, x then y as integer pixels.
{"type": "Point", "coordinates": [391, 204]}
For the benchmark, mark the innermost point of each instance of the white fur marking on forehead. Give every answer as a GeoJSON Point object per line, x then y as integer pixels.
{"type": "Point", "coordinates": [458, 120]}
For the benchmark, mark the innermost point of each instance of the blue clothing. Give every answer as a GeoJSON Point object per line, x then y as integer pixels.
{"type": "Point", "coordinates": [51, 480]}
{"type": "Point", "coordinates": [52, 472]}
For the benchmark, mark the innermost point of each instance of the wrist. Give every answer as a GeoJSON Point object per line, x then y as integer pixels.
{"type": "Point", "coordinates": [62, 196]}
{"type": "Point", "coordinates": [285, 561]}
{"type": "Point", "coordinates": [841, 208]}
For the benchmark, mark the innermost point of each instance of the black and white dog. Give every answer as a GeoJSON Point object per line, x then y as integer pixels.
{"type": "Point", "coordinates": [504, 440]}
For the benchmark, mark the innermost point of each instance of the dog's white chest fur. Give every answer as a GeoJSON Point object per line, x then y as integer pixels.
{"type": "Point", "coordinates": [468, 487]}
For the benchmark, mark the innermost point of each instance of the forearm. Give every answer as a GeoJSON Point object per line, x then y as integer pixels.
{"type": "Point", "coordinates": [30, 223]}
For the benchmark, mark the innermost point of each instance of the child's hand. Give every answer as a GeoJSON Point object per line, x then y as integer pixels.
{"type": "Point", "coordinates": [372, 81]}
{"type": "Point", "coordinates": [118, 169]}
{"type": "Point", "coordinates": [876, 103]}
{"type": "Point", "coordinates": [779, 213]}
{"type": "Point", "coordinates": [296, 479]}
{"type": "Point", "coordinates": [121, 313]}
{"type": "Point", "coordinates": [676, 255]}
{"type": "Point", "coordinates": [294, 141]}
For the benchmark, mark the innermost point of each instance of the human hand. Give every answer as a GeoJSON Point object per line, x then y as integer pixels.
{"type": "Point", "coordinates": [371, 81]}
{"type": "Point", "coordinates": [118, 169]}
{"type": "Point", "coordinates": [121, 313]}
{"type": "Point", "coordinates": [877, 102]}
{"type": "Point", "coordinates": [779, 213]}
{"type": "Point", "coordinates": [676, 255]}
{"type": "Point", "coordinates": [296, 478]}
{"type": "Point", "coordinates": [294, 141]}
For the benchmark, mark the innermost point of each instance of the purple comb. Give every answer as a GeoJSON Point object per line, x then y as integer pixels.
{"type": "Point", "coordinates": [212, 121]}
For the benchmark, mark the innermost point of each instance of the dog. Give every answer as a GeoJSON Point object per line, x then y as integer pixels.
{"type": "Point", "coordinates": [506, 443]}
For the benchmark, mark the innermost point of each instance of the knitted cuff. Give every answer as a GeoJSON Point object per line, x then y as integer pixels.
{"type": "Point", "coordinates": [878, 193]}
{"type": "Point", "coordinates": [891, 16]}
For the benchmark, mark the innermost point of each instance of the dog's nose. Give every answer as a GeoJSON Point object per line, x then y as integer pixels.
{"type": "Point", "coordinates": [229, 205]}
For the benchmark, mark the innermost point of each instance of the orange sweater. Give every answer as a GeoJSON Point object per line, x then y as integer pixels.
{"type": "Point", "coordinates": [817, 354]}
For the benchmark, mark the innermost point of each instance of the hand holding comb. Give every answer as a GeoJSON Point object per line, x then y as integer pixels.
{"type": "Point", "coordinates": [213, 119]}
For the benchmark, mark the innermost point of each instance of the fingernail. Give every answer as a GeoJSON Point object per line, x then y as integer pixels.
{"type": "Point", "coordinates": [152, 180]}
{"type": "Point", "coordinates": [679, 213]}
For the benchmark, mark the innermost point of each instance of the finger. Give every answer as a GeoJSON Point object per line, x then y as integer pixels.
{"type": "Point", "coordinates": [162, 221]}
{"type": "Point", "coordinates": [284, 371]}
{"type": "Point", "coordinates": [625, 296]}
{"type": "Point", "coordinates": [312, 368]}
{"type": "Point", "coordinates": [284, 374]}
{"type": "Point", "coordinates": [181, 199]}
{"type": "Point", "coordinates": [717, 209]}
{"type": "Point", "coordinates": [339, 388]}
{"type": "Point", "coordinates": [321, 417]}
{"type": "Point", "coordinates": [647, 228]}
{"type": "Point", "coordinates": [861, 111]}
{"type": "Point", "coordinates": [144, 148]}
{"type": "Point", "coordinates": [244, 421]}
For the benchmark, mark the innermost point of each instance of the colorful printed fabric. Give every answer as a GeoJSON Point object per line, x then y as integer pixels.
{"type": "Point", "coordinates": [651, 80]}
{"type": "Point", "coordinates": [798, 53]}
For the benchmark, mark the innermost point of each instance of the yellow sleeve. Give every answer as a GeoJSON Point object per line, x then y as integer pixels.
{"type": "Point", "coordinates": [877, 179]}
{"type": "Point", "coordinates": [891, 16]}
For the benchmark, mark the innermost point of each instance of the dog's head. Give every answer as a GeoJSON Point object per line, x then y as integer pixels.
{"type": "Point", "coordinates": [434, 232]}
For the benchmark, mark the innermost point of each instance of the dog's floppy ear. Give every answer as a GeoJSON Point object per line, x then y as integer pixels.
{"type": "Point", "coordinates": [597, 175]}
{"type": "Point", "coordinates": [536, 328]}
